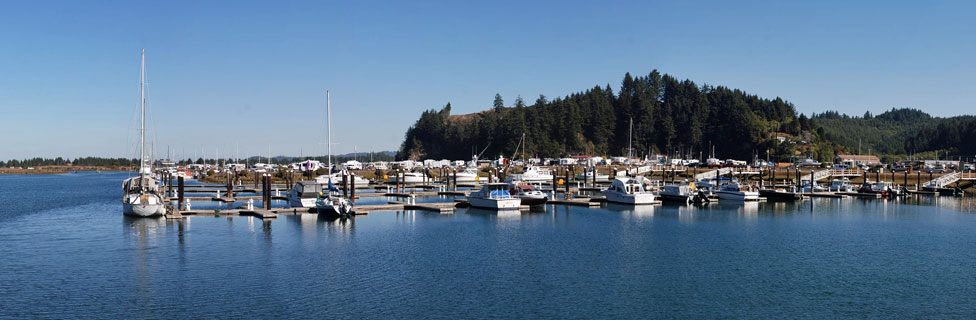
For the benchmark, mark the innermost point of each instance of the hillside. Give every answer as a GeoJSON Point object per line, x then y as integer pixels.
{"type": "Point", "coordinates": [676, 117]}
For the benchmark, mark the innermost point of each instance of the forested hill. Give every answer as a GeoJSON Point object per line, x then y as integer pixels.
{"type": "Point", "coordinates": [672, 116]}
{"type": "Point", "coordinates": [668, 114]}
{"type": "Point", "coordinates": [900, 132]}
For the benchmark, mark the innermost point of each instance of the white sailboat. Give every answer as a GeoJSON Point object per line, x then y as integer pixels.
{"type": "Point", "coordinates": [142, 195]}
{"type": "Point", "coordinates": [329, 202]}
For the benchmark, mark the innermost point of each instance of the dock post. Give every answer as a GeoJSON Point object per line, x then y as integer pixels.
{"type": "Point", "coordinates": [345, 185]}
{"type": "Point", "coordinates": [170, 179]}
{"type": "Point", "coordinates": [230, 186]}
{"type": "Point", "coordinates": [267, 192]}
{"type": "Point", "coordinates": [566, 183]}
{"type": "Point", "coordinates": [352, 192]}
{"type": "Point", "coordinates": [182, 203]}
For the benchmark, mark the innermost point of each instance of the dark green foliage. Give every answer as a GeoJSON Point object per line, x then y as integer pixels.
{"type": "Point", "coordinates": [668, 116]}
{"type": "Point", "coordinates": [896, 132]}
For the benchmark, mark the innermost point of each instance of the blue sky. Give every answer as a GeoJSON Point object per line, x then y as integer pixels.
{"type": "Point", "coordinates": [224, 74]}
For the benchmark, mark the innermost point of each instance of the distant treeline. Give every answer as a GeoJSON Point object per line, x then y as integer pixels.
{"type": "Point", "coordinates": [669, 116]}
{"type": "Point", "coordinates": [59, 161]}
{"type": "Point", "coordinates": [901, 132]}
{"type": "Point", "coordinates": [114, 162]}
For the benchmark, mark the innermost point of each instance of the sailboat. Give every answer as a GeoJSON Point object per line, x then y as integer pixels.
{"type": "Point", "coordinates": [329, 201]}
{"type": "Point", "coordinates": [142, 195]}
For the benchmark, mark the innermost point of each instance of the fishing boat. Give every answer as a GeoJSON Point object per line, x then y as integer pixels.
{"type": "Point", "coordinates": [736, 192]}
{"type": "Point", "coordinates": [811, 187]}
{"type": "Point", "coordinates": [142, 195]}
{"type": "Point", "coordinates": [530, 195]}
{"type": "Point", "coordinates": [494, 196]}
{"type": "Point", "coordinates": [683, 193]}
{"type": "Point", "coordinates": [628, 191]}
{"type": "Point", "coordinates": [330, 202]}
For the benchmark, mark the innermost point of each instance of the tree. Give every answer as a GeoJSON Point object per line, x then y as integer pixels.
{"type": "Point", "coordinates": [518, 101]}
{"type": "Point", "coordinates": [499, 103]}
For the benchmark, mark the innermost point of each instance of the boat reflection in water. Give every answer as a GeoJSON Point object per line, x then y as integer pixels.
{"type": "Point", "coordinates": [638, 212]}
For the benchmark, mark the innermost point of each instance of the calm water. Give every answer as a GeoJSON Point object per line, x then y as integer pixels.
{"type": "Point", "coordinates": [68, 252]}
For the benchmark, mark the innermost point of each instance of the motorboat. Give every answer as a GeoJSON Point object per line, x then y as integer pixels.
{"type": "Point", "coordinates": [529, 194]}
{"type": "Point", "coordinates": [841, 185]}
{"type": "Point", "coordinates": [628, 191]}
{"type": "Point", "coordinates": [734, 191]}
{"type": "Point", "coordinates": [532, 174]}
{"type": "Point", "coordinates": [592, 174]}
{"type": "Point", "coordinates": [683, 193]}
{"type": "Point", "coordinates": [142, 195]}
{"type": "Point", "coordinates": [494, 196]}
{"type": "Point", "coordinates": [408, 178]}
{"type": "Point", "coordinates": [809, 163]}
{"type": "Point", "coordinates": [807, 187]}
{"type": "Point", "coordinates": [772, 194]}
{"type": "Point", "coordinates": [304, 194]}
{"type": "Point", "coordinates": [357, 181]}
{"type": "Point", "coordinates": [469, 175]}
{"type": "Point", "coordinates": [884, 188]}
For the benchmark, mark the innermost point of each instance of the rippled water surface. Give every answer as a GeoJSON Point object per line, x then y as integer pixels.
{"type": "Point", "coordinates": [68, 252]}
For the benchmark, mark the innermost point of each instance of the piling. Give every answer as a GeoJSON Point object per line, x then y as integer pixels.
{"type": "Point", "coordinates": [345, 185]}
{"type": "Point", "coordinates": [353, 191]}
{"type": "Point", "coordinates": [230, 186]}
{"type": "Point", "coordinates": [566, 183]}
{"type": "Point", "coordinates": [182, 200]}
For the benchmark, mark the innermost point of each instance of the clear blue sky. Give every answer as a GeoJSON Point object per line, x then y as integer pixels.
{"type": "Point", "coordinates": [255, 73]}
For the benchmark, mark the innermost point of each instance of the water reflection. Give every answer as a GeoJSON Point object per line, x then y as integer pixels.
{"type": "Point", "coordinates": [636, 212]}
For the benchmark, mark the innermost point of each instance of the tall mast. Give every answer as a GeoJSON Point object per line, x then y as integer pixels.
{"type": "Point", "coordinates": [328, 115]}
{"type": "Point", "coordinates": [142, 130]}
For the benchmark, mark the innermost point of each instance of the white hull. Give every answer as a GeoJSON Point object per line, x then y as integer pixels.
{"type": "Point", "coordinates": [143, 210]}
{"type": "Point", "coordinates": [738, 195]}
{"type": "Point", "coordinates": [497, 204]}
{"type": "Point", "coordinates": [337, 180]}
{"type": "Point", "coordinates": [641, 198]}
{"type": "Point", "coordinates": [409, 179]}
{"type": "Point", "coordinates": [466, 178]}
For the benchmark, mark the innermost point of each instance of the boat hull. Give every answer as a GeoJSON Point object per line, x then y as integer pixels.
{"type": "Point", "coordinates": [143, 210]}
{"type": "Point", "coordinates": [496, 204]}
{"type": "Point", "coordinates": [779, 195]}
{"type": "Point", "coordinates": [738, 196]}
{"type": "Point", "coordinates": [643, 198]}
{"type": "Point", "coordinates": [533, 201]}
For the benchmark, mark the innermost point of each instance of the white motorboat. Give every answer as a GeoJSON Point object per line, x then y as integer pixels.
{"type": "Point", "coordinates": [588, 175]}
{"type": "Point", "coordinates": [842, 185]}
{"type": "Point", "coordinates": [494, 196]}
{"type": "Point", "coordinates": [337, 177]}
{"type": "Point", "coordinates": [628, 191]}
{"type": "Point", "coordinates": [733, 191]}
{"type": "Point", "coordinates": [529, 195]}
{"type": "Point", "coordinates": [142, 195]}
{"type": "Point", "coordinates": [808, 188]}
{"type": "Point", "coordinates": [408, 178]}
{"type": "Point", "coordinates": [469, 175]}
{"type": "Point", "coordinates": [532, 174]}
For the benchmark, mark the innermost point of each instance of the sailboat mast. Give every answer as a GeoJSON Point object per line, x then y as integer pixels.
{"type": "Point", "coordinates": [328, 115]}
{"type": "Point", "coordinates": [142, 130]}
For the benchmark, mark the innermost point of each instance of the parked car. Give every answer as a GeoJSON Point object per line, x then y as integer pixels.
{"type": "Point", "coordinates": [935, 169]}
{"type": "Point", "coordinates": [900, 168]}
